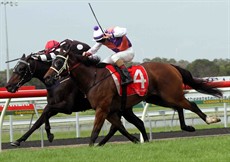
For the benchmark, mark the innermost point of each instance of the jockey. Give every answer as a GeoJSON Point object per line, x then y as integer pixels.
{"type": "Point", "coordinates": [52, 48]}
{"type": "Point", "coordinates": [115, 39]}
{"type": "Point", "coordinates": [48, 53]}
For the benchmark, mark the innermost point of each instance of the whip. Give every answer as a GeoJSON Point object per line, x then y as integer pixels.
{"type": "Point", "coordinates": [91, 8]}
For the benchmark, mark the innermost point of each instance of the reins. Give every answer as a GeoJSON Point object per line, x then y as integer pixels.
{"type": "Point", "coordinates": [66, 67]}
{"type": "Point", "coordinates": [95, 75]}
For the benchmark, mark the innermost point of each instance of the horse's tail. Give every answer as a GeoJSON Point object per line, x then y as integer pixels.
{"type": "Point", "coordinates": [199, 85]}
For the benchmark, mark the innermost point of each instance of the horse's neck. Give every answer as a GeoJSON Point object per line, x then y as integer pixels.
{"type": "Point", "coordinates": [40, 71]}
{"type": "Point", "coordinates": [86, 77]}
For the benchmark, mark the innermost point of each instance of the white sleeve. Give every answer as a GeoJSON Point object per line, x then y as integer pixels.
{"type": "Point", "coordinates": [43, 57]}
{"type": "Point", "coordinates": [119, 32]}
{"type": "Point", "coordinates": [53, 56]}
{"type": "Point", "coordinates": [47, 57]}
{"type": "Point", "coordinates": [95, 48]}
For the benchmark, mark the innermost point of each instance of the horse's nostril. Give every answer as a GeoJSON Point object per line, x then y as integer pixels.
{"type": "Point", "coordinates": [48, 80]}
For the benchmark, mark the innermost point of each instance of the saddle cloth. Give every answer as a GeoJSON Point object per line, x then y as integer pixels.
{"type": "Point", "coordinates": [140, 80]}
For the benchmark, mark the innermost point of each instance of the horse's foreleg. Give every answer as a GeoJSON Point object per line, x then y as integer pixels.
{"type": "Point", "coordinates": [52, 110]}
{"type": "Point", "coordinates": [36, 125]}
{"type": "Point", "coordinates": [100, 117]}
{"type": "Point", "coordinates": [50, 136]}
{"type": "Point", "coordinates": [112, 131]}
{"type": "Point", "coordinates": [132, 118]}
{"type": "Point", "coordinates": [115, 120]}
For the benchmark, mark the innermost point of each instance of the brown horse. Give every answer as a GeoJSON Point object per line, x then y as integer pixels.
{"type": "Point", "coordinates": [165, 84]}
{"type": "Point", "coordinates": [64, 97]}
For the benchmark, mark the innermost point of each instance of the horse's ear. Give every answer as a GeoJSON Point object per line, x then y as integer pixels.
{"type": "Point", "coordinates": [24, 55]}
{"type": "Point", "coordinates": [65, 51]}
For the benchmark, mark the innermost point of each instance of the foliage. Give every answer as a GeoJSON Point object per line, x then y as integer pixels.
{"type": "Point", "coordinates": [203, 68]}
{"type": "Point", "coordinates": [198, 68]}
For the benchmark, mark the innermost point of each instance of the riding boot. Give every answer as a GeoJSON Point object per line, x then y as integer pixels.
{"type": "Point", "coordinates": [126, 78]}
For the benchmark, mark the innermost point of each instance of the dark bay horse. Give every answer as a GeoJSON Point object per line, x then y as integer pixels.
{"type": "Point", "coordinates": [165, 84]}
{"type": "Point", "coordinates": [64, 97]}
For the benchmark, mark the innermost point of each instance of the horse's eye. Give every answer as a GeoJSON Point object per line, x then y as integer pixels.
{"type": "Point", "coordinates": [21, 70]}
{"type": "Point", "coordinates": [58, 64]}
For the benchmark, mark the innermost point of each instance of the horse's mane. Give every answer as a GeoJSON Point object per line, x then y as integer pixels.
{"type": "Point", "coordinates": [88, 61]}
{"type": "Point", "coordinates": [74, 46]}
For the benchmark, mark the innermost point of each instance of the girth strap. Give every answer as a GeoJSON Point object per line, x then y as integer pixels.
{"type": "Point", "coordinates": [124, 91]}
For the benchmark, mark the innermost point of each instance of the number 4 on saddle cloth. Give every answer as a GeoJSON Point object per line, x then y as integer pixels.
{"type": "Point", "coordinates": [140, 80]}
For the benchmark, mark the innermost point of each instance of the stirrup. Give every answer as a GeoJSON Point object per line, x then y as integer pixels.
{"type": "Point", "coordinates": [126, 81]}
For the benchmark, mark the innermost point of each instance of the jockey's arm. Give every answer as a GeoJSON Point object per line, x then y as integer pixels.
{"type": "Point", "coordinates": [93, 49]}
{"type": "Point", "coordinates": [44, 57]}
{"type": "Point", "coordinates": [48, 57]}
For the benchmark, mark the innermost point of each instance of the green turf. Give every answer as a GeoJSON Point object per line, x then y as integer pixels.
{"type": "Point", "coordinates": [199, 149]}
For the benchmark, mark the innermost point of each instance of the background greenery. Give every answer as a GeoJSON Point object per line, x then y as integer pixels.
{"type": "Point", "coordinates": [217, 67]}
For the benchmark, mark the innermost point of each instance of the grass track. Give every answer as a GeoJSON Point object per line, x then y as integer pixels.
{"type": "Point", "coordinates": [202, 149]}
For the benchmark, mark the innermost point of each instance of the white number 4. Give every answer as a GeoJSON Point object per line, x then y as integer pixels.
{"type": "Point", "coordinates": [139, 78]}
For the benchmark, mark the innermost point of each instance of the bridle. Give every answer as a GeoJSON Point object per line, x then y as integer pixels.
{"type": "Point", "coordinates": [65, 65]}
{"type": "Point", "coordinates": [28, 71]}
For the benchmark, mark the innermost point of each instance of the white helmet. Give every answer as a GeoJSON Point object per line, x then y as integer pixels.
{"type": "Point", "coordinates": [97, 34]}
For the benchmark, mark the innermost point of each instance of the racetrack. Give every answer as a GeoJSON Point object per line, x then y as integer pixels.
{"type": "Point", "coordinates": [118, 138]}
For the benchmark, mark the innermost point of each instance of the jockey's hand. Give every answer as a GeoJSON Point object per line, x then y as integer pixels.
{"type": "Point", "coordinates": [86, 54]}
{"type": "Point", "coordinates": [107, 36]}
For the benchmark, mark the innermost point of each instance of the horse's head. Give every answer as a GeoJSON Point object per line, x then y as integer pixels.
{"type": "Point", "coordinates": [65, 62]}
{"type": "Point", "coordinates": [25, 69]}
{"type": "Point", "coordinates": [59, 65]}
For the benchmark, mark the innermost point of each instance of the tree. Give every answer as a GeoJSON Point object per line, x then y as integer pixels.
{"type": "Point", "coordinates": [203, 68]}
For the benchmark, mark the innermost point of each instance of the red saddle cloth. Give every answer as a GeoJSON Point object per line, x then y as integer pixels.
{"type": "Point", "coordinates": [140, 80]}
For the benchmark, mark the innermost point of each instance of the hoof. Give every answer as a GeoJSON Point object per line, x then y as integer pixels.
{"type": "Point", "coordinates": [91, 144]}
{"type": "Point", "coordinates": [100, 144]}
{"type": "Point", "coordinates": [189, 129]}
{"type": "Point", "coordinates": [15, 144]}
{"type": "Point", "coordinates": [136, 140]}
{"type": "Point", "coordinates": [212, 119]}
{"type": "Point", "coordinates": [51, 138]}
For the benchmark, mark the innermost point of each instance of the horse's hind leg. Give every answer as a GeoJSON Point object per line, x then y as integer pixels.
{"type": "Point", "coordinates": [207, 119]}
{"type": "Point", "coordinates": [183, 126]}
{"type": "Point", "coordinates": [194, 108]}
{"type": "Point", "coordinates": [157, 100]}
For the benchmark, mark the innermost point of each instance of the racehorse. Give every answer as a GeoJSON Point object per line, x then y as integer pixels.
{"type": "Point", "coordinates": [165, 87]}
{"type": "Point", "coordinates": [64, 97]}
